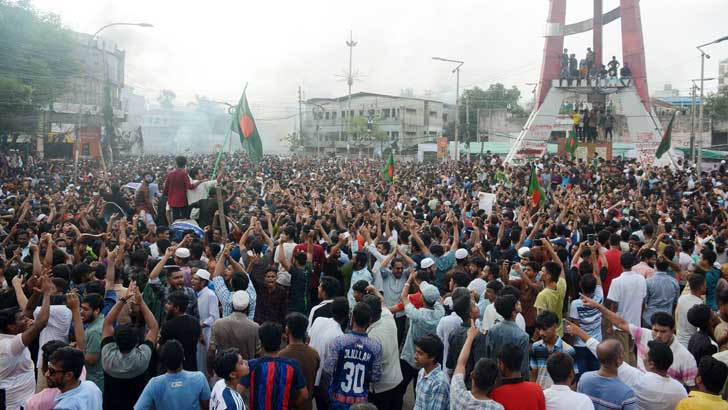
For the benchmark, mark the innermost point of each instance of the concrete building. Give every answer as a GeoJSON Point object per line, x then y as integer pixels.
{"type": "Point", "coordinates": [666, 92]}
{"type": "Point", "coordinates": [723, 73]}
{"type": "Point", "coordinates": [408, 121]}
{"type": "Point", "coordinates": [104, 66]}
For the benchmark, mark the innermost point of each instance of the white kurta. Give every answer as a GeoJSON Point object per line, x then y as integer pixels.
{"type": "Point", "coordinates": [209, 313]}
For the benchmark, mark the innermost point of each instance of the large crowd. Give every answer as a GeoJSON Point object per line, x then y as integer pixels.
{"type": "Point", "coordinates": [161, 282]}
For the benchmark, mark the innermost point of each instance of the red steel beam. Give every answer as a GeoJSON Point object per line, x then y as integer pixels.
{"type": "Point", "coordinates": [553, 48]}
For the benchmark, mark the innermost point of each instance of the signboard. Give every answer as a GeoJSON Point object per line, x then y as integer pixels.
{"type": "Point", "coordinates": [486, 201]}
{"type": "Point", "coordinates": [646, 152]}
{"type": "Point", "coordinates": [442, 148]}
{"type": "Point", "coordinates": [531, 149]}
{"type": "Point", "coordinates": [540, 132]}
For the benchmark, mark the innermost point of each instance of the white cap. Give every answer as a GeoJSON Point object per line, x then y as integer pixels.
{"type": "Point", "coordinates": [241, 300]}
{"type": "Point", "coordinates": [182, 253]}
{"type": "Point", "coordinates": [41, 217]}
{"type": "Point", "coordinates": [522, 251]}
{"type": "Point", "coordinates": [429, 292]}
{"type": "Point", "coordinates": [203, 274]}
{"type": "Point", "coordinates": [447, 203]}
{"type": "Point", "coordinates": [461, 253]}
{"type": "Point", "coordinates": [426, 263]}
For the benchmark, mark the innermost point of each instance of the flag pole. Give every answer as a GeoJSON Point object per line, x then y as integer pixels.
{"type": "Point", "coordinates": [227, 136]}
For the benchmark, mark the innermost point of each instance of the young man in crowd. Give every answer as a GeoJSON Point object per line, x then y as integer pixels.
{"type": "Point", "coordinates": [182, 327]}
{"type": "Point", "coordinates": [559, 396]}
{"type": "Point", "coordinates": [324, 331]}
{"type": "Point", "coordinates": [514, 393]}
{"type": "Point", "coordinates": [549, 343]}
{"type": "Point", "coordinates": [234, 331]}
{"type": "Point", "coordinates": [230, 367]}
{"type": "Point", "coordinates": [177, 389]}
{"type": "Point", "coordinates": [710, 380]}
{"type": "Point", "coordinates": [484, 378]}
{"type": "Point", "coordinates": [353, 360]}
{"type": "Point", "coordinates": [603, 386]}
{"type": "Point", "coordinates": [64, 371]}
{"type": "Point", "coordinates": [625, 298]}
{"type": "Point", "coordinates": [274, 381]}
{"type": "Point", "coordinates": [433, 386]}
{"type": "Point", "coordinates": [297, 349]}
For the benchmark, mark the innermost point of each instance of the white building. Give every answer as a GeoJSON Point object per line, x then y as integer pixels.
{"type": "Point", "coordinates": [408, 121]}
{"type": "Point", "coordinates": [723, 73]}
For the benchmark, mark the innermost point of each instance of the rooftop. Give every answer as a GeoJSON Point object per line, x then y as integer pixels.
{"type": "Point", "coordinates": [367, 94]}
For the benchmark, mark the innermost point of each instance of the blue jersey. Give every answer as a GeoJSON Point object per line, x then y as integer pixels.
{"type": "Point", "coordinates": [353, 360]}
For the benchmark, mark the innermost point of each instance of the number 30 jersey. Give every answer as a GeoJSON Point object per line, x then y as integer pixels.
{"type": "Point", "coordinates": [353, 360]}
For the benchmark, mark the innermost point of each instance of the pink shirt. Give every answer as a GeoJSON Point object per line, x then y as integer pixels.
{"type": "Point", "coordinates": [46, 398]}
{"type": "Point", "coordinates": [644, 269]}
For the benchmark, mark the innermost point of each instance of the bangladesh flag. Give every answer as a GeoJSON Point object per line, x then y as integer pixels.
{"type": "Point", "coordinates": [244, 125]}
{"type": "Point", "coordinates": [572, 143]}
{"type": "Point", "coordinates": [388, 170]}
{"type": "Point", "coordinates": [666, 139]}
{"type": "Point", "coordinates": [535, 191]}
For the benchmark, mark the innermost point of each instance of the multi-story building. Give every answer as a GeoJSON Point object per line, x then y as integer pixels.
{"type": "Point", "coordinates": [102, 65]}
{"type": "Point", "coordinates": [328, 123]}
{"type": "Point", "coordinates": [723, 73]}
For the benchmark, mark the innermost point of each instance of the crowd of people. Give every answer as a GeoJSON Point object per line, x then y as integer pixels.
{"type": "Point", "coordinates": [175, 283]}
{"type": "Point", "coordinates": [589, 73]}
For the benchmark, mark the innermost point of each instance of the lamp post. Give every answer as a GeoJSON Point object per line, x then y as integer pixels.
{"type": "Point", "coordinates": [703, 56]}
{"type": "Point", "coordinates": [84, 77]}
{"type": "Point", "coordinates": [456, 70]}
{"type": "Point", "coordinates": [693, 89]}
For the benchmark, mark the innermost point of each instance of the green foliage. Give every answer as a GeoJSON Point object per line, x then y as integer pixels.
{"type": "Point", "coordinates": [358, 128]}
{"type": "Point", "coordinates": [496, 96]}
{"type": "Point", "coordinates": [36, 64]}
{"type": "Point", "coordinates": [716, 105]}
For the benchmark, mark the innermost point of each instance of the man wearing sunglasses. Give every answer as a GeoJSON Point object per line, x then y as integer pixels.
{"type": "Point", "coordinates": [64, 369]}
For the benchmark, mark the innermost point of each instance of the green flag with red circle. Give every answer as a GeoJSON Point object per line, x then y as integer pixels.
{"type": "Point", "coordinates": [244, 125]}
{"type": "Point", "coordinates": [572, 143]}
{"type": "Point", "coordinates": [535, 191]}
{"type": "Point", "coordinates": [388, 170]}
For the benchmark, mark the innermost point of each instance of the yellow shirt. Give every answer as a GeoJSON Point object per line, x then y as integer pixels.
{"type": "Point", "coordinates": [702, 401]}
{"type": "Point", "coordinates": [553, 300]}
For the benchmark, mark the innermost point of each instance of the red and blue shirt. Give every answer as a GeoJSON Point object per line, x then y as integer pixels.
{"type": "Point", "coordinates": [273, 382]}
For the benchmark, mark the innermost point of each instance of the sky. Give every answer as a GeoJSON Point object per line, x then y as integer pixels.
{"type": "Point", "coordinates": [213, 48]}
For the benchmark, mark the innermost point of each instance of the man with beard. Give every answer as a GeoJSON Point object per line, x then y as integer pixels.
{"type": "Point", "coordinates": [93, 321]}
{"type": "Point", "coordinates": [182, 327]}
{"type": "Point", "coordinates": [156, 295]}
{"type": "Point", "coordinates": [64, 369]}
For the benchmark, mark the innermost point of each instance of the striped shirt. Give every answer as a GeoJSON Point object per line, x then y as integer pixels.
{"type": "Point", "coordinates": [590, 319]}
{"type": "Point", "coordinates": [225, 398]}
{"type": "Point", "coordinates": [273, 382]}
{"type": "Point", "coordinates": [607, 393]}
{"type": "Point", "coordinates": [683, 368]}
{"type": "Point", "coordinates": [540, 354]}
{"type": "Point", "coordinates": [433, 390]}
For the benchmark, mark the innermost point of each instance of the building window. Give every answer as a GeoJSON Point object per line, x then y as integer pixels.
{"type": "Point", "coordinates": [444, 118]}
{"type": "Point", "coordinates": [327, 115]}
{"type": "Point", "coordinates": [361, 113]}
{"type": "Point", "coordinates": [385, 112]}
{"type": "Point", "coordinates": [395, 134]}
{"type": "Point", "coordinates": [410, 111]}
{"type": "Point", "coordinates": [343, 114]}
{"type": "Point", "coordinates": [333, 116]}
{"type": "Point", "coordinates": [86, 149]}
{"type": "Point", "coordinates": [433, 114]}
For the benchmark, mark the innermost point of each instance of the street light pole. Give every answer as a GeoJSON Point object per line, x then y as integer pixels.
{"type": "Point", "coordinates": [456, 70]}
{"type": "Point", "coordinates": [703, 56]}
{"type": "Point", "coordinates": [84, 76]}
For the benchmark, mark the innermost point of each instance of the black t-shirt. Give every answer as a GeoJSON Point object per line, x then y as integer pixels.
{"type": "Point", "coordinates": [297, 296]}
{"type": "Point", "coordinates": [186, 329]}
{"type": "Point", "coordinates": [122, 394]}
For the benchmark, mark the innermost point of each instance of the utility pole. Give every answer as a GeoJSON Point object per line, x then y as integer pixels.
{"type": "Point", "coordinates": [467, 126]}
{"type": "Point", "coordinates": [300, 115]}
{"type": "Point", "coordinates": [692, 124]}
{"type": "Point", "coordinates": [349, 81]}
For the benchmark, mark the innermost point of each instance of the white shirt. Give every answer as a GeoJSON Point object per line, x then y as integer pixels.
{"type": "Point", "coordinates": [629, 290]}
{"type": "Point", "coordinates": [313, 310]}
{"type": "Point", "coordinates": [284, 277]}
{"type": "Point", "coordinates": [221, 392]}
{"type": "Point", "coordinates": [559, 397]}
{"type": "Point", "coordinates": [684, 329]}
{"type": "Point", "coordinates": [323, 331]}
{"type": "Point", "coordinates": [492, 318]}
{"type": "Point", "coordinates": [446, 326]}
{"type": "Point", "coordinates": [201, 191]}
{"type": "Point", "coordinates": [59, 323]}
{"type": "Point", "coordinates": [384, 331]}
{"type": "Point", "coordinates": [209, 311]}
{"type": "Point", "coordinates": [653, 391]}
{"type": "Point", "coordinates": [17, 374]}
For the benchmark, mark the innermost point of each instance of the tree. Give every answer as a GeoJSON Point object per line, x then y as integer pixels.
{"type": "Point", "coordinates": [166, 99]}
{"type": "Point", "coordinates": [359, 129]}
{"type": "Point", "coordinates": [496, 96]}
{"type": "Point", "coordinates": [36, 64]}
{"type": "Point", "coordinates": [716, 105]}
